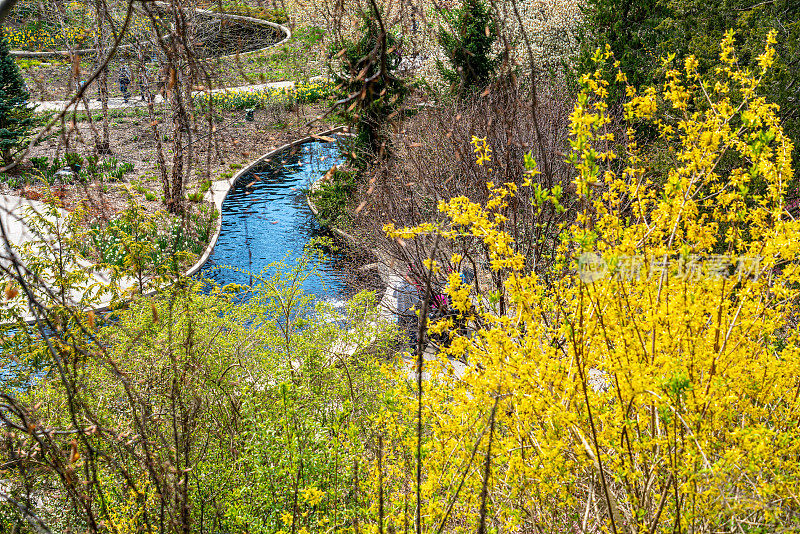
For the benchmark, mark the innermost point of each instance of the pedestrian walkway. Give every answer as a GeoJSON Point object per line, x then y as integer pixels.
{"type": "Point", "coordinates": [137, 102]}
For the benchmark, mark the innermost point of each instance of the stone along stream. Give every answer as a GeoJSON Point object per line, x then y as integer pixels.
{"type": "Point", "coordinates": [265, 219]}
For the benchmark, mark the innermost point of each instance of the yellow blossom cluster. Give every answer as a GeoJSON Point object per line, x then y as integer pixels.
{"type": "Point", "coordinates": [302, 93]}
{"type": "Point", "coordinates": [41, 39]}
{"type": "Point", "coordinates": [79, 33]}
{"type": "Point", "coordinates": [636, 401]}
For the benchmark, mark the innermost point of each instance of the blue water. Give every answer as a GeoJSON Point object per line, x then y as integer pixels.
{"type": "Point", "coordinates": [265, 219]}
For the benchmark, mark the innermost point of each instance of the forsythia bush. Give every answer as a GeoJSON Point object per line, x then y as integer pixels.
{"type": "Point", "coordinates": [654, 386]}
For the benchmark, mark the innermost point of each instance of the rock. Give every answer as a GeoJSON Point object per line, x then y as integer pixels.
{"type": "Point", "coordinates": [65, 174]}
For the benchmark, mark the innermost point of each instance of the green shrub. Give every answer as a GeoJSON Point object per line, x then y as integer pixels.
{"type": "Point", "coordinates": [640, 33]}
{"type": "Point", "coordinates": [74, 161]}
{"type": "Point", "coordinates": [40, 163]}
{"type": "Point", "coordinates": [149, 242]}
{"type": "Point", "coordinates": [469, 47]}
{"type": "Point", "coordinates": [270, 422]}
{"type": "Point", "coordinates": [28, 63]}
{"type": "Point", "coordinates": [310, 35]}
{"type": "Point", "coordinates": [91, 164]}
{"type": "Point", "coordinates": [332, 197]}
{"type": "Point", "coordinates": [16, 119]}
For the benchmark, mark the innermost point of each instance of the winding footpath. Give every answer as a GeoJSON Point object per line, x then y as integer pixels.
{"type": "Point", "coordinates": [34, 228]}
{"type": "Point", "coordinates": [136, 102]}
{"type": "Point", "coordinates": [119, 102]}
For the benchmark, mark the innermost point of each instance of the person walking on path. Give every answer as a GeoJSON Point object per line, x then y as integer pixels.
{"type": "Point", "coordinates": [124, 82]}
{"type": "Point", "coordinates": [144, 84]}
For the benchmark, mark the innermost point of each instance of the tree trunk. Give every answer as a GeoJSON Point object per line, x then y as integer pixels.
{"type": "Point", "coordinates": [175, 202]}
{"type": "Point", "coordinates": [103, 146]}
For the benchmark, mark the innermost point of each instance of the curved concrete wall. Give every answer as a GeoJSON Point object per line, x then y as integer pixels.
{"type": "Point", "coordinates": [287, 33]}
{"type": "Point", "coordinates": [220, 189]}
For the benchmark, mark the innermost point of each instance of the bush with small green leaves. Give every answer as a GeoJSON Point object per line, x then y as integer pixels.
{"type": "Point", "coordinates": [91, 164]}
{"type": "Point", "coordinates": [40, 163]}
{"type": "Point", "coordinates": [74, 161]}
{"type": "Point", "coordinates": [332, 196]}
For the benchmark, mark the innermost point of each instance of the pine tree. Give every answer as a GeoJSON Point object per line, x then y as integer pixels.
{"type": "Point", "coordinates": [16, 119]}
{"type": "Point", "coordinates": [469, 47]}
{"type": "Point", "coordinates": [367, 69]}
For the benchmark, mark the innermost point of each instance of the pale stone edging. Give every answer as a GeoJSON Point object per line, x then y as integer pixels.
{"type": "Point", "coordinates": [216, 195]}
{"type": "Point", "coordinates": [83, 51]}
{"type": "Point", "coordinates": [220, 189]}
{"type": "Point", "coordinates": [388, 306]}
{"type": "Point", "coordinates": [280, 27]}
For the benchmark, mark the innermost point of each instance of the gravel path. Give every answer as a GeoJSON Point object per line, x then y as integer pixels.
{"type": "Point", "coordinates": [16, 216]}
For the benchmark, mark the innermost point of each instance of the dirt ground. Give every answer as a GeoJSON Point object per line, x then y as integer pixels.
{"type": "Point", "coordinates": [234, 143]}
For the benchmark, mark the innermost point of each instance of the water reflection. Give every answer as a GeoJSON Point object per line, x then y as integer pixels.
{"type": "Point", "coordinates": [265, 219]}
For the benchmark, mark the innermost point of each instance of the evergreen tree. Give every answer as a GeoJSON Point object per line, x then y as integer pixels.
{"type": "Point", "coordinates": [631, 28]}
{"type": "Point", "coordinates": [366, 74]}
{"type": "Point", "coordinates": [469, 47]}
{"type": "Point", "coordinates": [16, 119]}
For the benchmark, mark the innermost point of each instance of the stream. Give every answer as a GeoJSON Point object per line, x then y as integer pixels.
{"type": "Point", "coordinates": [265, 219]}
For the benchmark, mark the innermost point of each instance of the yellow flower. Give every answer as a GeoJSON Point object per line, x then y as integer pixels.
{"type": "Point", "coordinates": [481, 149]}
{"type": "Point", "coordinates": [312, 495]}
{"type": "Point", "coordinates": [668, 359]}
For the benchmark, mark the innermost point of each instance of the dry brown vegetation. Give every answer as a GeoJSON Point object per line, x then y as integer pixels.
{"type": "Point", "coordinates": [426, 169]}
